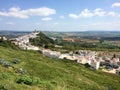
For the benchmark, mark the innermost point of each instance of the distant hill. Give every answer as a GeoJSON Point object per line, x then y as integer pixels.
{"type": "Point", "coordinates": [85, 34]}
{"type": "Point", "coordinates": [13, 34]}
{"type": "Point", "coordinates": [41, 40]}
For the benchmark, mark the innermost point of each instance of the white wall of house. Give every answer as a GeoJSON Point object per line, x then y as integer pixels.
{"type": "Point", "coordinates": [95, 64]}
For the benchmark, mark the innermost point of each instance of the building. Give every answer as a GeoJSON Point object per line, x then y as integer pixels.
{"type": "Point", "coordinates": [3, 38]}
{"type": "Point", "coordinates": [95, 64]}
{"type": "Point", "coordinates": [118, 71]}
{"type": "Point", "coordinates": [50, 53]}
{"type": "Point", "coordinates": [82, 60]}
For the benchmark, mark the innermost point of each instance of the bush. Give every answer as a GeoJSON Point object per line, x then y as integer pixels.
{"type": "Point", "coordinates": [6, 64]}
{"type": "Point", "coordinates": [87, 65]}
{"type": "Point", "coordinates": [8, 44]}
{"type": "Point", "coordinates": [4, 76]}
{"type": "Point", "coordinates": [1, 61]}
{"type": "Point", "coordinates": [2, 87]}
{"type": "Point", "coordinates": [16, 61]}
{"type": "Point", "coordinates": [25, 80]}
{"type": "Point", "coordinates": [21, 71]}
{"type": "Point", "coordinates": [28, 80]}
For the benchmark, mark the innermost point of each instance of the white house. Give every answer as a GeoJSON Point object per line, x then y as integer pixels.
{"type": "Point", "coordinates": [118, 71]}
{"type": "Point", "coordinates": [95, 64]}
{"type": "Point", "coordinates": [82, 60]}
{"type": "Point", "coordinates": [49, 53]}
{"type": "Point", "coordinates": [32, 48]}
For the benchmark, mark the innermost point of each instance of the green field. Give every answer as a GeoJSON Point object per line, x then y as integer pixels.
{"type": "Point", "coordinates": [44, 73]}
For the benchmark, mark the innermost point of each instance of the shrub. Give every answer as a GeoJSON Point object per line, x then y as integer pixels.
{"type": "Point", "coordinates": [5, 75]}
{"type": "Point", "coordinates": [25, 80]}
{"type": "Point", "coordinates": [21, 70]}
{"type": "Point", "coordinates": [16, 61]}
{"type": "Point", "coordinates": [6, 64]}
{"type": "Point", "coordinates": [1, 61]}
{"type": "Point", "coordinates": [28, 80]}
{"type": "Point", "coordinates": [2, 87]}
{"type": "Point", "coordinates": [87, 65]}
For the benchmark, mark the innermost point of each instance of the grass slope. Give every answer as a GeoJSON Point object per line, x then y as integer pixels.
{"type": "Point", "coordinates": [52, 74]}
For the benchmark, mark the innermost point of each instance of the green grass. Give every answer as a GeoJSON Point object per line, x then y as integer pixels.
{"type": "Point", "coordinates": [52, 74]}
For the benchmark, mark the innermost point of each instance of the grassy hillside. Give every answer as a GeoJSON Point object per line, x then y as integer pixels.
{"type": "Point", "coordinates": [42, 73]}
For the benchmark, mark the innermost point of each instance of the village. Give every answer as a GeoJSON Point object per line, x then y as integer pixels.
{"type": "Point", "coordinates": [108, 62]}
{"type": "Point", "coordinates": [23, 41]}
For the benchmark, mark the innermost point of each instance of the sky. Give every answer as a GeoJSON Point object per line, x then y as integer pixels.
{"type": "Point", "coordinates": [60, 15]}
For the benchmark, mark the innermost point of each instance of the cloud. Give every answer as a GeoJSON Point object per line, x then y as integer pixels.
{"type": "Point", "coordinates": [116, 4]}
{"type": "Point", "coordinates": [86, 13]}
{"type": "Point", "coordinates": [99, 12]}
{"type": "Point", "coordinates": [18, 13]}
{"type": "Point", "coordinates": [62, 17]}
{"type": "Point", "coordinates": [56, 23]}
{"type": "Point", "coordinates": [73, 16]}
{"type": "Point", "coordinates": [14, 9]}
{"type": "Point", "coordinates": [111, 13]}
{"type": "Point", "coordinates": [46, 19]}
{"type": "Point", "coordinates": [10, 23]}
{"type": "Point", "coordinates": [37, 23]}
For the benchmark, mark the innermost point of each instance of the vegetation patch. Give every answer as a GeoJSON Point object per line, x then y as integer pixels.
{"type": "Point", "coordinates": [2, 87]}
{"type": "Point", "coordinates": [41, 40]}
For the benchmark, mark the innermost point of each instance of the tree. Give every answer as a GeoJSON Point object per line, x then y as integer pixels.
{"type": "Point", "coordinates": [101, 40]}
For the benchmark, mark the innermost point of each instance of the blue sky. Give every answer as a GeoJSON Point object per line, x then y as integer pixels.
{"type": "Point", "coordinates": [60, 15]}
